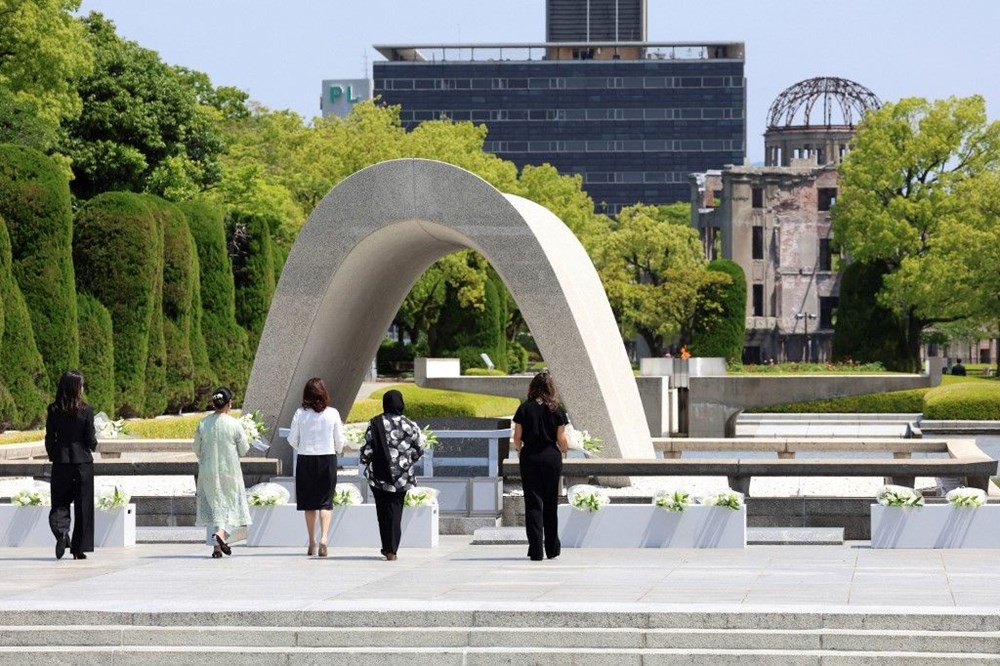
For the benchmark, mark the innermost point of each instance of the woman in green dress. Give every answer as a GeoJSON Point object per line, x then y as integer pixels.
{"type": "Point", "coordinates": [219, 442]}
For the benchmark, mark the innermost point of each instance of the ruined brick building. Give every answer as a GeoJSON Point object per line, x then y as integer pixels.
{"type": "Point", "coordinates": [774, 220]}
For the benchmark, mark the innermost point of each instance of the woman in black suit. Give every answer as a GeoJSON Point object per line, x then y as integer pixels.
{"type": "Point", "coordinates": [69, 440]}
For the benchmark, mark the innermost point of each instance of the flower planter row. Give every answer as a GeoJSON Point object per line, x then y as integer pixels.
{"type": "Point", "coordinates": [935, 526]}
{"type": "Point", "coordinates": [350, 526]}
{"type": "Point", "coordinates": [648, 526]}
{"type": "Point", "coordinates": [28, 526]}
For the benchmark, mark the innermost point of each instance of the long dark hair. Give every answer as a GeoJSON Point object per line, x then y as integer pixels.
{"type": "Point", "coordinates": [543, 389]}
{"type": "Point", "coordinates": [315, 396]}
{"type": "Point", "coordinates": [69, 394]}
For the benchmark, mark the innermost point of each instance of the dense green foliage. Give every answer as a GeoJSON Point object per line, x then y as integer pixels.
{"type": "Point", "coordinates": [975, 401]}
{"type": "Point", "coordinates": [23, 380]}
{"type": "Point", "coordinates": [424, 403]}
{"type": "Point", "coordinates": [142, 127]}
{"type": "Point", "coordinates": [225, 341]}
{"type": "Point", "coordinates": [179, 254]}
{"type": "Point", "coordinates": [97, 353]}
{"type": "Point", "coordinates": [253, 271]}
{"type": "Point", "coordinates": [895, 402]}
{"type": "Point", "coordinates": [114, 245]}
{"type": "Point", "coordinates": [867, 331]}
{"type": "Point", "coordinates": [719, 323]}
{"type": "Point", "coordinates": [156, 355]}
{"type": "Point", "coordinates": [35, 202]}
{"type": "Point", "coordinates": [204, 377]}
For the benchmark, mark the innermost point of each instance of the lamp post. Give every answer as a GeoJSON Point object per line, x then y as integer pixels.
{"type": "Point", "coordinates": [805, 317]}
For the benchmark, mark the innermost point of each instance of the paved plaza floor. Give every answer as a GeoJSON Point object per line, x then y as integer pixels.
{"type": "Point", "coordinates": [461, 576]}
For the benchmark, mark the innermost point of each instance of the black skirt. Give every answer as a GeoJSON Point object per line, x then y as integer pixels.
{"type": "Point", "coordinates": [315, 481]}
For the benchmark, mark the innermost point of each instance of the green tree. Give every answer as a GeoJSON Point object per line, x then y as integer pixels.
{"type": "Point", "coordinates": [35, 201]}
{"type": "Point", "coordinates": [142, 128]}
{"type": "Point", "coordinates": [204, 376]}
{"type": "Point", "coordinates": [866, 331]}
{"type": "Point", "coordinates": [22, 371]}
{"type": "Point", "coordinates": [97, 353]}
{"type": "Point", "coordinates": [225, 341]}
{"type": "Point", "coordinates": [718, 327]}
{"type": "Point", "coordinates": [653, 270]}
{"type": "Point", "coordinates": [905, 201]}
{"type": "Point", "coordinates": [115, 243]}
{"type": "Point", "coordinates": [253, 272]}
{"type": "Point", "coordinates": [156, 356]}
{"type": "Point", "coordinates": [43, 55]}
{"type": "Point", "coordinates": [179, 255]}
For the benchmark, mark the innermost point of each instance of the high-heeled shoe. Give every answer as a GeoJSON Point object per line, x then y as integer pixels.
{"type": "Point", "coordinates": [322, 550]}
{"type": "Point", "coordinates": [216, 554]}
{"type": "Point", "coordinates": [223, 546]}
{"type": "Point", "coordinates": [312, 551]}
{"type": "Point", "coordinates": [79, 556]}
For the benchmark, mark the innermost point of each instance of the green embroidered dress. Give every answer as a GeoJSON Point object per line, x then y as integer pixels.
{"type": "Point", "coordinates": [219, 442]}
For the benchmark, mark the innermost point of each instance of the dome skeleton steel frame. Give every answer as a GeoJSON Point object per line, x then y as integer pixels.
{"type": "Point", "coordinates": [852, 99]}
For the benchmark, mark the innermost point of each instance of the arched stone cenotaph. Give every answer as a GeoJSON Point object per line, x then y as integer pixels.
{"type": "Point", "coordinates": [373, 236]}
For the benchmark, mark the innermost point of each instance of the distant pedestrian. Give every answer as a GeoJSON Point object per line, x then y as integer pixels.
{"type": "Point", "coordinates": [540, 440]}
{"type": "Point", "coordinates": [70, 439]}
{"type": "Point", "coordinates": [317, 435]}
{"type": "Point", "coordinates": [958, 369]}
{"type": "Point", "coordinates": [221, 497]}
{"type": "Point", "coordinates": [392, 446]}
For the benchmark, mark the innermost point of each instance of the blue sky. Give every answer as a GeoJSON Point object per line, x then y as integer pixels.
{"type": "Point", "coordinates": [281, 51]}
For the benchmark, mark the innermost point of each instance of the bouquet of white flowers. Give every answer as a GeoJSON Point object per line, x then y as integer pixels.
{"type": "Point", "coordinates": [676, 500]}
{"type": "Point", "coordinates": [729, 499]}
{"type": "Point", "coordinates": [581, 440]}
{"type": "Point", "coordinates": [110, 497]}
{"type": "Point", "coordinates": [255, 429]}
{"type": "Point", "coordinates": [347, 495]}
{"type": "Point", "coordinates": [583, 497]}
{"type": "Point", "coordinates": [354, 436]}
{"type": "Point", "coordinates": [899, 496]}
{"type": "Point", "coordinates": [419, 496]}
{"type": "Point", "coordinates": [428, 438]}
{"type": "Point", "coordinates": [39, 494]}
{"type": "Point", "coordinates": [267, 494]}
{"type": "Point", "coordinates": [966, 497]}
{"type": "Point", "coordinates": [106, 428]}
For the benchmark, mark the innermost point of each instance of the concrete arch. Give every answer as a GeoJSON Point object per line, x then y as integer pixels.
{"type": "Point", "coordinates": [373, 236]}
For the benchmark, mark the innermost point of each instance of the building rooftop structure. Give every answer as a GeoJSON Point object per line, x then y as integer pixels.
{"type": "Point", "coordinates": [561, 51]}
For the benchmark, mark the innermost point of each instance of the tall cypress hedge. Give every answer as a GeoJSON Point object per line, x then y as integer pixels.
{"type": "Point", "coordinates": [225, 341]}
{"type": "Point", "coordinates": [35, 202]}
{"type": "Point", "coordinates": [178, 294]}
{"type": "Point", "coordinates": [865, 331]}
{"type": "Point", "coordinates": [722, 334]}
{"type": "Point", "coordinates": [22, 371]}
{"type": "Point", "coordinates": [156, 358]}
{"type": "Point", "coordinates": [97, 353]}
{"type": "Point", "coordinates": [253, 272]}
{"type": "Point", "coordinates": [204, 377]}
{"type": "Point", "coordinates": [115, 245]}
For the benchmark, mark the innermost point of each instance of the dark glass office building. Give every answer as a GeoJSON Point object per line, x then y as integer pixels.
{"type": "Point", "coordinates": [632, 118]}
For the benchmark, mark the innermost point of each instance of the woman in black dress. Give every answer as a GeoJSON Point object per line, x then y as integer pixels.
{"type": "Point", "coordinates": [540, 441]}
{"type": "Point", "coordinates": [69, 440]}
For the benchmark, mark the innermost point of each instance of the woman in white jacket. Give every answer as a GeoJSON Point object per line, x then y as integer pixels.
{"type": "Point", "coordinates": [317, 434]}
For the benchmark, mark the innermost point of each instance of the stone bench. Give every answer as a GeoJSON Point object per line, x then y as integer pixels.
{"type": "Point", "coordinates": [255, 470]}
{"type": "Point", "coordinates": [787, 447]}
{"type": "Point", "coordinates": [966, 460]}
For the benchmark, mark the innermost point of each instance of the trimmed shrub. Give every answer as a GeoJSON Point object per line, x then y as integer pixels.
{"type": "Point", "coordinates": [424, 403]}
{"type": "Point", "coordinates": [156, 359]}
{"type": "Point", "coordinates": [894, 402]}
{"type": "Point", "coordinates": [393, 358]}
{"type": "Point", "coordinates": [114, 251]}
{"type": "Point", "coordinates": [35, 202]}
{"type": "Point", "coordinates": [485, 372]}
{"type": "Point", "coordinates": [721, 334]}
{"type": "Point", "coordinates": [866, 331]}
{"type": "Point", "coordinates": [253, 272]}
{"type": "Point", "coordinates": [225, 341]}
{"type": "Point", "coordinates": [22, 371]}
{"type": "Point", "coordinates": [968, 401]}
{"type": "Point", "coordinates": [178, 296]}
{"type": "Point", "coordinates": [97, 353]}
{"type": "Point", "coordinates": [517, 357]}
{"type": "Point", "coordinates": [204, 377]}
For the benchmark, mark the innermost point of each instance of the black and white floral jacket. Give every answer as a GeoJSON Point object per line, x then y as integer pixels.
{"type": "Point", "coordinates": [404, 451]}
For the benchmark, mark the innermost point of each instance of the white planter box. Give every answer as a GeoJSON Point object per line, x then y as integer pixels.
{"type": "Point", "coordinates": [350, 526]}
{"type": "Point", "coordinates": [648, 526]}
{"type": "Point", "coordinates": [935, 526]}
{"type": "Point", "coordinates": [28, 526]}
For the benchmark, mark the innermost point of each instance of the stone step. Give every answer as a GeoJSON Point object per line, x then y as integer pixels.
{"type": "Point", "coordinates": [213, 655]}
{"type": "Point", "coordinates": [924, 642]}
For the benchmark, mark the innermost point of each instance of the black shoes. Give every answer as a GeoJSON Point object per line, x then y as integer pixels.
{"type": "Point", "coordinates": [223, 546]}
{"type": "Point", "coordinates": [216, 554]}
{"type": "Point", "coordinates": [79, 556]}
{"type": "Point", "coordinates": [62, 543]}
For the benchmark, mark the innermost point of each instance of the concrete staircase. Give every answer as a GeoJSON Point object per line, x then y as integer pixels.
{"type": "Point", "coordinates": [497, 637]}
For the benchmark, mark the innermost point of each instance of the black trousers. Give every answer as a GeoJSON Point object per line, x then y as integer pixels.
{"type": "Point", "coordinates": [389, 509]}
{"type": "Point", "coordinates": [73, 483]}
{"type": "Point", "coordinates": [540, 472]}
